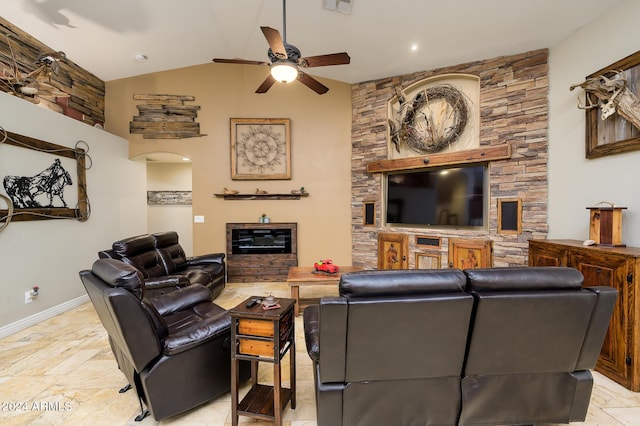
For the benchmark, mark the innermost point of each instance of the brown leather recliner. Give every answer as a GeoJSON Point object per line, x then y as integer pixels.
{"type": "Point", "coordinates": [479, 347]}
{"type": "Point", "coordinates": [536, 335]}
{"type": "Point", "coordinates": [392, 336]}
{"type": "Point", "coordinates": [174, 349]}
{"type": "Point", "coordinates": [164, 265]}
{"type": "Point", "coordinates": [175, 262]}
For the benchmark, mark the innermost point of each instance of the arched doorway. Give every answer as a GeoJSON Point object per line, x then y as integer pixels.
{"type": "Point", "coordinates": [169, 185]}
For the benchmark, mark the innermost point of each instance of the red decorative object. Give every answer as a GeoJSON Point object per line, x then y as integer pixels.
{"type": "Point", "coordinates": [326, 266]}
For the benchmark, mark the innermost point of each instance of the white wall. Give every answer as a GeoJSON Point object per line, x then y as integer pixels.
{"type": "Point", "coordinates": [50, 253]}
{"type": "Point", "coordinates": [160, 218]}
{"type": "Point", "coordinates": [575, 182]}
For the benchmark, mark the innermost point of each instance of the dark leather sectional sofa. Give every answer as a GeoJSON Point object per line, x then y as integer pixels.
{"type": "Point", "coordinates": [163, 263]}
{"type": "Point", "coordinates": [174, 348]}
{"type": "Point", "coordinates": [504, 346]}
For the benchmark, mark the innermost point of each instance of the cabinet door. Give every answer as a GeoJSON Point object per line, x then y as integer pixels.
{"type": "Point", "coordinates": [393, 250]}
{"type": "Point", "coordinates": [600, 269]}
{"type": "Point", "coordinates": [544, 254]}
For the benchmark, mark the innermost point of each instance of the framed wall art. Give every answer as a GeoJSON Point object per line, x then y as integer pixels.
{"type": "Point", "coordinates": [169, 198]}
{"type": "Point", "coordinates": [612, 117]}
{"type": "Point", "coordinates": [260, 148]}
{"type": "Point", "coordinates": [470, 254]}
{"type": "Point", "coordinates": [47, 187]}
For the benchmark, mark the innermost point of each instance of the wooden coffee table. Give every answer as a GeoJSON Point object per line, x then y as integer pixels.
{"type": "Point", "coordinates": [306, 276]}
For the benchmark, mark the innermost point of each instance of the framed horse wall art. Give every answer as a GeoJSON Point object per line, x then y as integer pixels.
{"type": "Point", "coordinates": [38, 182]}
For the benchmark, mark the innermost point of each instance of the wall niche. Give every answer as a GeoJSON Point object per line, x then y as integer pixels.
{"type": "Point", "coordinates": [512, 111]}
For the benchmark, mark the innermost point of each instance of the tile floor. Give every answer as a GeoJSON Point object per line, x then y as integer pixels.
{"type": "Point", "coordinates": [62, 372]}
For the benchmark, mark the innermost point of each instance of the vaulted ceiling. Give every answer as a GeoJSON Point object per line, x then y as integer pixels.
{"type": "Point", "coordinates": [104, 37]}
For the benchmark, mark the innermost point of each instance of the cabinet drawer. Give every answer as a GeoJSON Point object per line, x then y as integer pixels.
{"type": "Point", "coordinates": [253, 327]}
{"type": "Point", "coordinates": [256, 347]}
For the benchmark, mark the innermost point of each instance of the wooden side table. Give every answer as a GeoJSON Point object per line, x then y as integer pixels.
{"type": "Point", "coordinates": [260, 335]}
{"type": "Point", "coordinates": [305, 276]}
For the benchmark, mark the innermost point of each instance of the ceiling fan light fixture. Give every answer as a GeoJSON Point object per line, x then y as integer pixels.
{"type": "Point", "coordinates": [284, 72]}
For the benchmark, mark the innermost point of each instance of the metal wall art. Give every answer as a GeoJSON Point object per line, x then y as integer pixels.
{"type": "Point", "coordinates": [46, 191]}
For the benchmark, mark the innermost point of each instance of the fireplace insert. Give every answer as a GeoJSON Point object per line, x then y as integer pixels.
{"type": "Point", "coordinates": [260, 241]}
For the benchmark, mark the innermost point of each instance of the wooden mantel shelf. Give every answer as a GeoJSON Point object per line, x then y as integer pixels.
{"type": "Point", "coordinates": [262, 196]}
{"type": "Point", "coordinates": [489, 153]}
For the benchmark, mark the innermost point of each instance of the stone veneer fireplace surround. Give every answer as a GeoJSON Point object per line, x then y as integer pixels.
{"type": "Point", "coordinates": [513, 110]}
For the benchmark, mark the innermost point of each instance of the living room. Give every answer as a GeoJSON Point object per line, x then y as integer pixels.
{"type": "Point", "coordinates": [321, 160]}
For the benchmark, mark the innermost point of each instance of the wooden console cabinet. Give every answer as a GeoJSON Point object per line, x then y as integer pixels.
{"type": "Point", "coordinates": [617, 267]}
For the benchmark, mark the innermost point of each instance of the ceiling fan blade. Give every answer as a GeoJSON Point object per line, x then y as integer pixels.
{"type": "Point", "coordinates": [266, 84]}
{"type": "Point", "coordinates": [325, 60]}
{"type": "Point", "coordinates": [275, 42]}
{"type": "Point", "coordinates": [312, 83]}
{"type": "Point", "coordinates": [239, 61]}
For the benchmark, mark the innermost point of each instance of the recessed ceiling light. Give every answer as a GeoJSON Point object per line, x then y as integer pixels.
{"type": "Point", "coordinates": [414, 47]}
{"type": "Point", "coordinates": [186, 159]}
{"type": "Point", "coordinates": [141, 57]}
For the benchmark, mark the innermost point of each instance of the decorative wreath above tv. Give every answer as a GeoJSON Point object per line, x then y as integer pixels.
{"type": "Point", "coordinates": [435, 115]}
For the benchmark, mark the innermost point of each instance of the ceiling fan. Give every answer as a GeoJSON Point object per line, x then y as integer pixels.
{"type": "Point", "coordinates": [35, 84]}
{"type": "Point", "coordinates": [286, 60]}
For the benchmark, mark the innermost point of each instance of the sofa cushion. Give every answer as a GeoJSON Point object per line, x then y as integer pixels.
{"type": "Point", "coordinates": [133, 245]}
{"type": "Point", "coordinates": [181, 299]}
{"type": "Point", "coordinates": [401, 283]}
{"type": "Point", "coordinates": [139, 251]}
{"type": "Point", "coordinates": [118, 274]}
{"type": "Point", "coordinates": [524, 278]}
{"type": "Point", "coordinates": [171, 253]}
{"type": "Point", "coordinates": [197, 275]}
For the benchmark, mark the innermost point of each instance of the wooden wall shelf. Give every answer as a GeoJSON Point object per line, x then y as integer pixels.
{"type": "Point", "coordinates": [489, 153]}
{"type": "Point", "coordinates": [262, 196]}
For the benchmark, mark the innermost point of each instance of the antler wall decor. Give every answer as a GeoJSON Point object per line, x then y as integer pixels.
{"type": "Point", "coordinates": [612, 94]}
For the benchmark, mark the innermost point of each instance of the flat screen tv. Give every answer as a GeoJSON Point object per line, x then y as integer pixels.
{"type": "Point", "coordinates": [445, 197]}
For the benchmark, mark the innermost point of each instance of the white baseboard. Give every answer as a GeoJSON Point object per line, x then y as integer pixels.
{"type": "Point", "coordinates": [34, 319]}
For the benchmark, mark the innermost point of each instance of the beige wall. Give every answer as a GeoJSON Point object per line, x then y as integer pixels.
{"type": "Point", "coordinates": [50, 253]}
{"type": "Point", "coordinates": [575, 182]}
{"type": "Point", "coordinates": [171, 177]}
{"type": "Point", "coordinates": [320, 152]}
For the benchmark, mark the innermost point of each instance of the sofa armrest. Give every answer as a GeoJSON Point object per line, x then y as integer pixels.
{"type": "Point", "coordinates": [598, 326]}
{"type": "Point", "coordinates": [181, 299]}
{"type": "Point", "coordinates": [312, 331]}
{"type": "Point", "coordinates": [197, 334]}
{"type": "Point", "coordinates": [165, 281]}
{"type": "Point", "coordinates": [333, 338]}
{"type": "Point", "coordinates": [206, 259]}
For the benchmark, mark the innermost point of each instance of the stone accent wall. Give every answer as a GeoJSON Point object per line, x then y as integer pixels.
{"type": "Point", "coordinates": [513, 110]}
